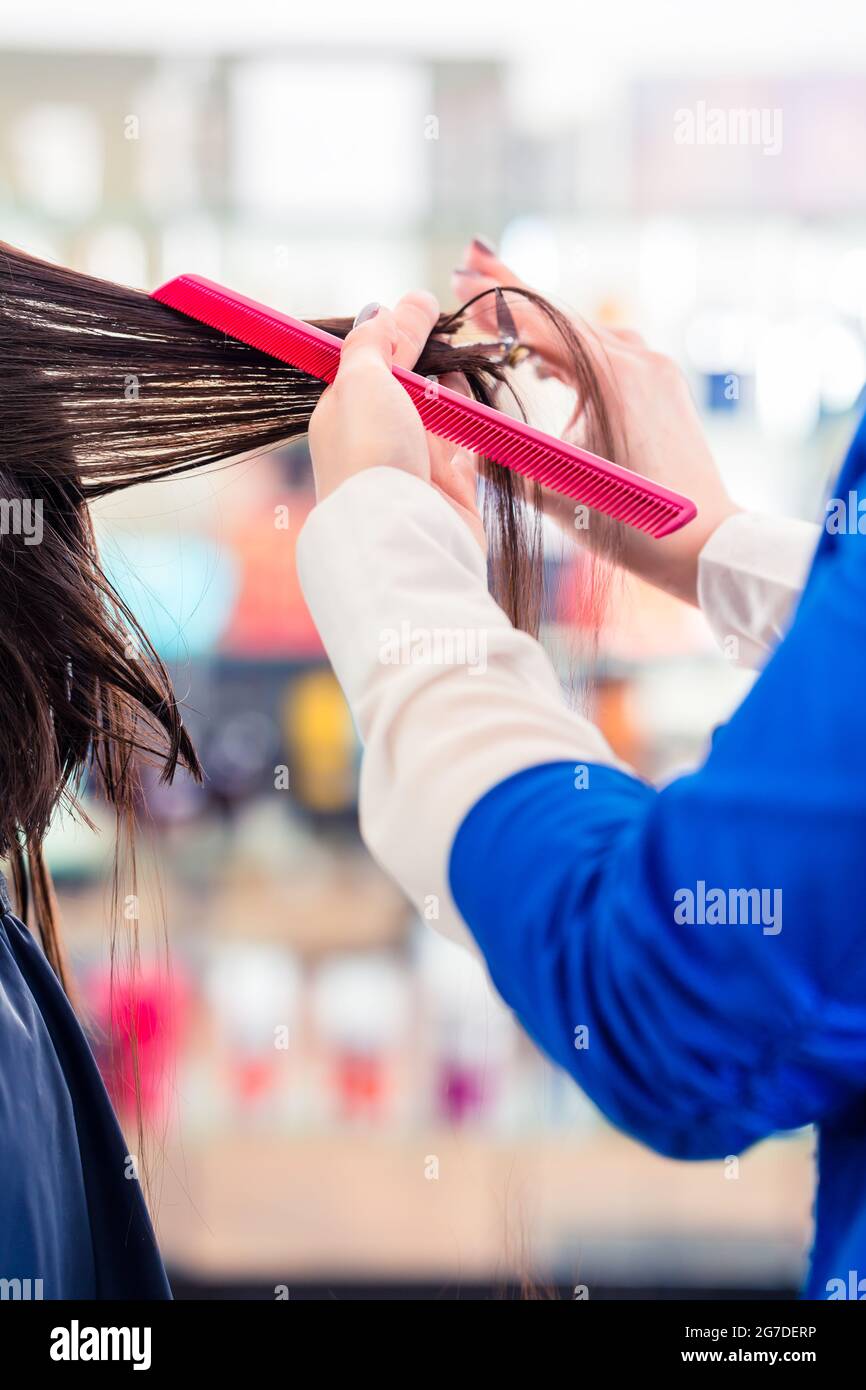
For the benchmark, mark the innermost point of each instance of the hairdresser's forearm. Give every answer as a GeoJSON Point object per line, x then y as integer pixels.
{"type": "Point", "coordinates": [746, 574]}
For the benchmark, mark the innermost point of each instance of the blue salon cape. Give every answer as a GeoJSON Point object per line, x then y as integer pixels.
{"type": "Point", "coordinates": [701, 1038]}
{"type": "Point", "coordinates": [73, 1223]}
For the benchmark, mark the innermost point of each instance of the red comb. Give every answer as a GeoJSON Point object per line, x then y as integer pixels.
{"type": "Point", "coordinates": [566, 469]}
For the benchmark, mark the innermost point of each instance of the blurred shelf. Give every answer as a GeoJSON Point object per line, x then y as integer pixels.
{"type": "Point", "coordinates": [357, 1206]}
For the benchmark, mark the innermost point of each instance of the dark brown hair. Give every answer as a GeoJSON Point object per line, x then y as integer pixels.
{"type": "Point", "coordinates": [102, 388]}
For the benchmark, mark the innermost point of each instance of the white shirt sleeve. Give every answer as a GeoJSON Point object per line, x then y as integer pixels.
{"type": "Point", "coordinates": [750, 575]}
{"type": "Point", "coordinates": [449, 698]}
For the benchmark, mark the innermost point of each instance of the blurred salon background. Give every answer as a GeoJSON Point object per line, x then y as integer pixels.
{"type": "Point", "coordinates": [339, 1101]}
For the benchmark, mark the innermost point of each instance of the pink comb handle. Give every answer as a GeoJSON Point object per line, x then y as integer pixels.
{"type": "Point", "coordinates": [573, 472]}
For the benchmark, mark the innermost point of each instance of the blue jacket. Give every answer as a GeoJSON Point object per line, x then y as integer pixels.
{"type": "Point", "coordinates": [703, 1033]}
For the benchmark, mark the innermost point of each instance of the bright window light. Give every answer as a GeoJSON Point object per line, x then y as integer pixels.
{"type": "Point", "coordinates": [321, 140]}
{"type": "Point", "coordinates": [529, 246]}
{"type": "Point", "coordinates": [842, 366]}
{"type": "Point", "coordinates": [192, 244]}
{"type": "Point", "coordinates": [848, 282]}
{"type": "Point", "coordinates": [58, 155]}
{"type": "Point", "coordinates": [667, 269]}
{"type": "Point", "coordinates": [787, 385]}
{"type": "Point", "coordinates": [116, 252]}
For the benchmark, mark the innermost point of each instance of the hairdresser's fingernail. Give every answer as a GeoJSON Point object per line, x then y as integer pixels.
{"type": "Point", "coordinates": [469, 274]}
{"type": "Point", "coordinates": [369, 311]}
{"type": "Point", "coordinates": [484, 244]}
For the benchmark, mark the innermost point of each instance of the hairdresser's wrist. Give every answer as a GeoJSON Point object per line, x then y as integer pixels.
{"type": "Point", "coordinates": [671, 564]}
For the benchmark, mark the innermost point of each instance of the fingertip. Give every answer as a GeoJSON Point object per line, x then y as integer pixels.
{"type": "Point", "coordinates": [424, 300]}
{"type": "Point", "coordinates": [372, 318]}
{"type": "Point", "coordinates": [481, 256]}
{"type": "Point", "coordinates": [368, 312]}
{"type": "Point", "coordinates": [374, 327]}
{"type": "Point", "coordinates": [484, 245]}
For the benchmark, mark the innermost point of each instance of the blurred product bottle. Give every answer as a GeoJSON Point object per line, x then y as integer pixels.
{"type": "Point", "coordinates": [238, 757]}
{"type": "Point", "coordinates": [137, 1026]}
{"type": "Point", "coordinates": [321, 745]}
{"type": "Point", "coordinates": [360, 1009]}
{"type": "Point", "coordinates": [472, 1035]}
{"type": "Point", "coordinates": [254, 990]}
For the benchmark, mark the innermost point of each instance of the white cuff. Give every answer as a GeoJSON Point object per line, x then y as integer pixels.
{"type": "Point", "coordinates": [751, 573]}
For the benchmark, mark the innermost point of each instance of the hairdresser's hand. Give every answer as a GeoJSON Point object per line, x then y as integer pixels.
{"type": "Point", "coordinates": [649, 397]}
{"type": "Point", "coordinates": [366, 419]}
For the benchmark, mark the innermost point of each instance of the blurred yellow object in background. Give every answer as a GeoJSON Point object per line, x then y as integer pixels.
{"type": "Point", "coordinates": [319, 733]}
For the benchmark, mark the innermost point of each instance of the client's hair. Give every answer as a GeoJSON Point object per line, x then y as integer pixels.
{"type": "Point", "coordinates": [82, 691]}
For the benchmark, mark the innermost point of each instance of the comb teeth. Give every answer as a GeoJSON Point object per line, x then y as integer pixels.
{"type": "Point", "coordinates": [630, 500]}
{"type": "Point", "coordinates": [594, 482]}
{"type": "Point", "coordinates": [311, 351]}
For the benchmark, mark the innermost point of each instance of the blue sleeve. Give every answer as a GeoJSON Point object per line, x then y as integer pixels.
{"type": "Point", "coordinates": [604, 911]}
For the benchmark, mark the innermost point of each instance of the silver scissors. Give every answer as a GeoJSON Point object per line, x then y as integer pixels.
{"type": "Point", "coordinates": [507, 345]}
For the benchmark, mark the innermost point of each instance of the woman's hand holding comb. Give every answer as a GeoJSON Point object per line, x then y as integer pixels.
{"type": "Point", "coordinates": [366, 419]}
